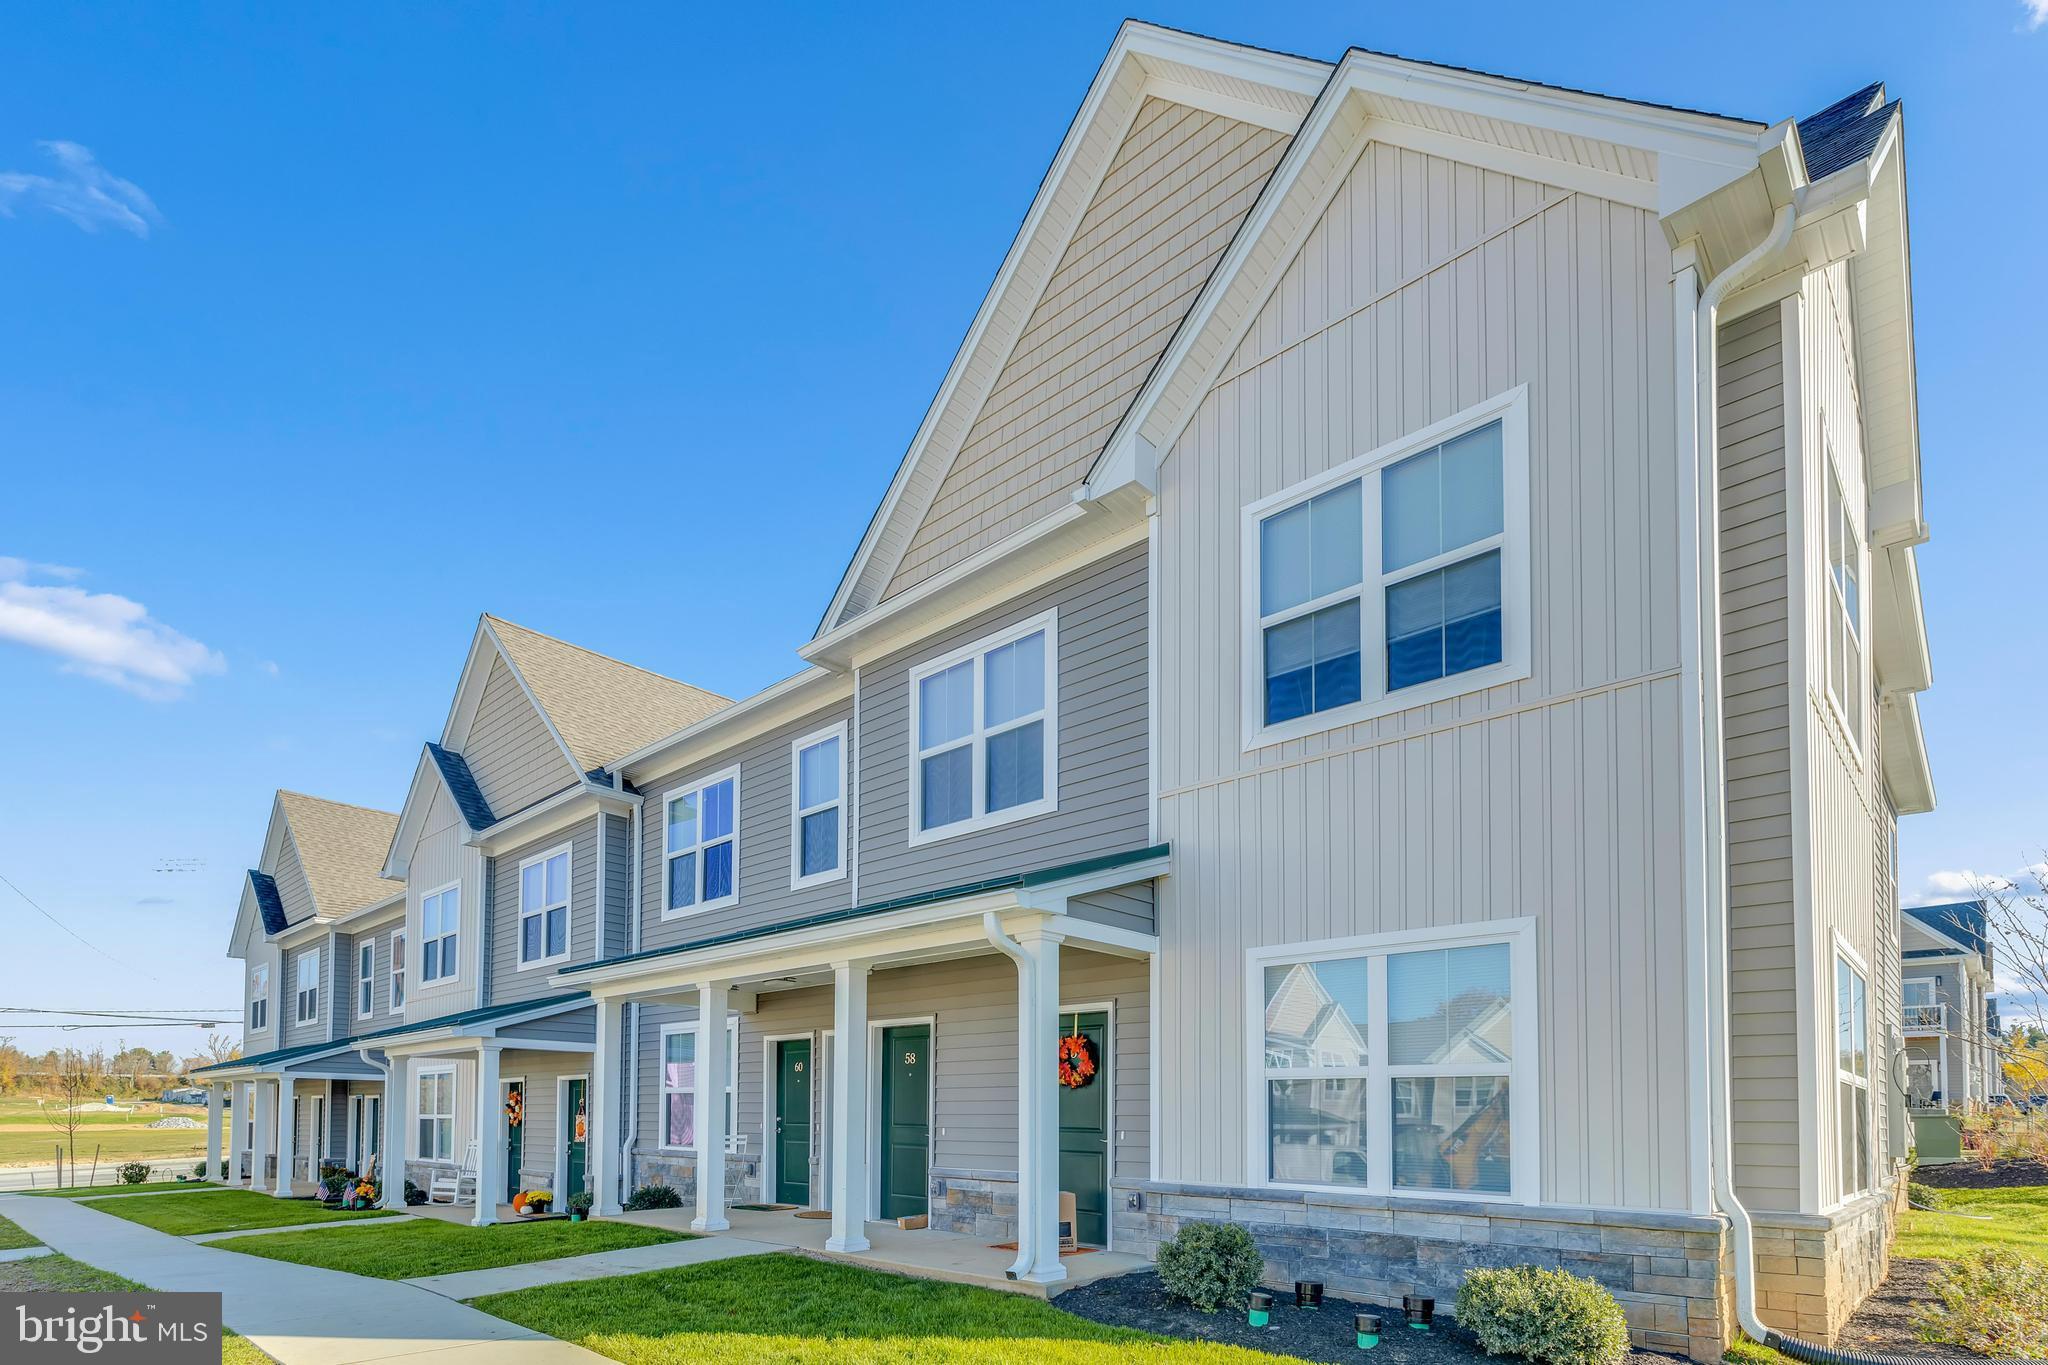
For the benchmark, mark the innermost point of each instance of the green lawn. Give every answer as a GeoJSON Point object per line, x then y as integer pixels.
{"type": "Point", "coordinates": [123, 1138]}
{"type": "Point", "coordinates": [793, 1309]}
{"type": "Point", "coordinates": [420, 1246]}
{"type": "Point", "coordinates": [61, 1274]}
{"type": "Point", "coordinates": [12, 1238]}
{"type": "Point", "coordinates": [101, 1191]}
{"type": "Point", "coordinates": [2020, 1223]}
{"type": "Point", "coordinates": [183, 1215]}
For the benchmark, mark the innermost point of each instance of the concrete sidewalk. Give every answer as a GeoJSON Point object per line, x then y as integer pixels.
{"type": "Point", "coordinates": [598, 1265]}
{"type": "Point", "coordinates": [300, 1314]}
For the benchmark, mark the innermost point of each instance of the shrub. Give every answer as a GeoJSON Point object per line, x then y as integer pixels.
{"type": "Point", "coordinates": [1548, 1316]}
{"type": "Point", "coordinates": [580, 1202]}
{"type": "Point", "coordinates": [414, 1195]}
{"type": "Point", "coordinates": [223, 1170]}
{"type": "Point", "coordinates": [1209, 1265]}
{"type": "Point", "coordinates": [199, 1171]}
{"type": "Point", "coordinates": [654, 1196]}
{"type": "Point", "coordinates": [134, 1172]}
{"type": "Point", "coordinates": [1925, 1196]}
{"type": "Point", "coordinates": [1993, 1302]}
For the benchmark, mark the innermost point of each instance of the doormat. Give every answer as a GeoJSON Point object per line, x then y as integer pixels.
{"type": "Point", "coordinates": [814, 1213]}
{"type": "Point", "coordinates": [1064, 1251]}
{"type": "Point", "coordinates": [762, 1208]}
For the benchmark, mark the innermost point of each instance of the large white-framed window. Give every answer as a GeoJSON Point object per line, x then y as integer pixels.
{"type": "Point", "coordinates": [1400, 1063]}
{"type": "Point", "coordinates": [259, 997]}
{"type": "Point", "coordinates": [817, 807]}
{"type": "Point", "coordinates": [984, 732]}
{"type": "Point", "coordinates": [434, 1114]}
{"type": "Point", "coordinates": [544, 908]}
{"type": "Point", "coordinates": [1398, 578]}
{"type": "Point", "coordinates": [306, 987]}
{"type": "Point", "coordinates": [1846, 687]}
{"type": "Point", "coordinates": [1852, 1074]}
{"type": "Point", "coordinates": [679, 1043]}
{"type": "Point", "coordinates": [366, 979]}
{"type": "Point", "coordinates": [440, 933]}
{"type": "Point", "coordinates": [700, 845]}
{"type": "Point", "coordinates": [397, 970]}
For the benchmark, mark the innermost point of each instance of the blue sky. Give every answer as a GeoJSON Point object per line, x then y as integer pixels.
{"type": "Point", "coordinates": [327, 328]}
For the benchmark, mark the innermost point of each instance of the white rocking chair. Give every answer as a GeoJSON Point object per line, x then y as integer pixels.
{"type": "Point", "coordinates": [449, 1184]}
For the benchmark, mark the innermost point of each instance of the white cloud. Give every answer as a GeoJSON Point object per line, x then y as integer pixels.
{"type": "Point", "coordinates": [270, 668]}
{"type": "Point", "coordinates": [82, 190]}
{"type": "Point", "coordinates": [2037, 13]}
{"type": "Point", "coordinates": [99, 634]}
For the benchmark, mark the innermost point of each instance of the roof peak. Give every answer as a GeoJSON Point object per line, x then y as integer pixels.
{"type": "Point", "coordinates": [330, 801]}
{"type": "Point", "coordinates": [500, 621]}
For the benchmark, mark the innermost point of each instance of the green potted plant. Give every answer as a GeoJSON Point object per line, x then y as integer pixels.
{"type": "Point", "coordinates": [579, 1206]}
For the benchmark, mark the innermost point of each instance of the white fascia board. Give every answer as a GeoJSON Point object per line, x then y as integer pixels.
{"type": "Point", "coordinates": [570, 806]}
{"type": "Point", "coordinates": [745, 719]}
{"type": "Point", "coordinates": [1908, 775]}
{"type": "Point", "coordinates": [469, 687]}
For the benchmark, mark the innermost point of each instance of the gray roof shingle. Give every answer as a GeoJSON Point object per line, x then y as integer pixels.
{"type": "Point", "coordinates": [268, 903]}
{"type": "Point", "coordinates": [469, 798]}
{"type": "Point", "coordinates": [1846, 131]}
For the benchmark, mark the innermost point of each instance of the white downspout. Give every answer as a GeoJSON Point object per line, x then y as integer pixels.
{"type": "Point", "coordinates": [629, 1131]}
{"type": "Point", "coordinates": [1027, 1248]}
{"type": "Point", "coordinates": [1715, 768]}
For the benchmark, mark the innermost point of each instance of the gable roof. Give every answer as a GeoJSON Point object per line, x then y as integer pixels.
{"type": "Point", "coordinates": [268, 903]}
{"type": "Point", "coordinates": [601, 709]}
{"type": "Point", "coordinates": [1960, 922]}
{"type": "Point", "coordinates": [341, 848]}
{"type": "Point", "coordinates": [469, 799]}
{"type": "Point", "coordinates": [1846, 131]}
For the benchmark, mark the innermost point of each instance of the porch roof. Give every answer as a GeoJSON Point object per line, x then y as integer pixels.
{"type": "Point", "coordinates": [277, 1056]}
{"type": "Point", "coordinates": [1014, 881]}
{"type": "Point", "coordinates": [266, 1061]}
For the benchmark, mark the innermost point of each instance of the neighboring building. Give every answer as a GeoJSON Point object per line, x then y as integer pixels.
{"type": "Point", "coordinates": [1396, 641]}
{"type": "Point", "coordinates": [1948, 1014]}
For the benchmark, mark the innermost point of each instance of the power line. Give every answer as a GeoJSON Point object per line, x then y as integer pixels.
{"type": "Point", "coordinates": [73, 932]}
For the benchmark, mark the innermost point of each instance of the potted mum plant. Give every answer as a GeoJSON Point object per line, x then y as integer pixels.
{"type": "Point", "coordinates": [538, 1203]}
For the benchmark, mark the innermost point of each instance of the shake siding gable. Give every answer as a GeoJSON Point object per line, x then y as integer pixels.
{"type": "Point", "coordinates": [1167, 207]}
{"type": "Point", "coordinates": [511, 754]}
{"type": "Point", "coordinates": [508, 983]}
{"type": "Point", "coordinates": [1102, 736]}
{"type": "Point", "coordinates": [1426, 287]}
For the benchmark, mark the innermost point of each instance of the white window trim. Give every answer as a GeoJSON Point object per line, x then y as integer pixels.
{"type": "Point", "coordinates": [366, 980]}
{"type": "Point", "coordinates": [797, 811]}
{"type": "Point", "coordinates": [1512, 410]}
{"type": "Point", "coordinates": [698, 788]}
{"type": "Point", "coordinates": [1523, 1071]}
{"type": "Point", "coordinates": [1846, 954]}
{"type": "Point", "coordinates": [1834, 604]}
{"type": "Point", "coordinates": [445, 976]}
{"type": "Point", "coordinates": [454, 1106]}
{"type": "Point", "coordinates": [259, 994]}
{"type": "Point", "coordinates": [527, 964]}
{"type": "Point", "coordinates": [301, 1012]}
{"type": "Point", "coordinates": [695, 1028]}
{"type": "Point", "coordinates": [978, 736]}
{"type": "Point", "coordinates": [395, 987]}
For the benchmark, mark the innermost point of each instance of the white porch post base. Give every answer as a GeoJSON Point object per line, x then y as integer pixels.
{"type": "Point", "coordinates": [714, 1003]}
{"type": "Point", "coordinates": [397, 1115]}
{"type": "Point", "coordinates": [1038, 1119]}
{"type": "Point", "coordinates": [286, 1135]}
{"type": "Point", "coordinates": [490, 1138]}
{"type": "Point", "coordinates": [213, 1118]}
{"type": "Point", "coordinates": [605, 1072]}
{"type": "Point", "coordinates": [849, 1107]}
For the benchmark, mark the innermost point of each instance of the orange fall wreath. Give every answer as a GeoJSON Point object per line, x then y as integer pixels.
{"type": "Point", "coordinates": [1077, 1061]}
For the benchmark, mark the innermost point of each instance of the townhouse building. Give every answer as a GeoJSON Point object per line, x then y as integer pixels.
{"type": "Point", "coordinates": [1949, 1009]}
{"type": "Point", "coordinates": [1375, 707]}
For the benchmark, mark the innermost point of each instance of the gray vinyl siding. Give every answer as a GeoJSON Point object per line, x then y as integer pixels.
{"type": "Point", "coordinates": [348, 973]}
{"type": "Point", "coordinates": [617, 916]}
{"type": "Point", "coordinates": [507, 982]}
{"type": "Point", "coordinates": [1763, 986]}
{"type": "Point", "coordinates": [1102, 704]}
{"type": "Point", "coordinates": [574, 1026]}
{"type": "Point", "coordinates": [510, 752]}
{"type": "Point", "coordinates": [973, 1005]}
{"type": "Point", "coordinates": [287, 995]}
{"type": "Point", "coordinates": [764, 842]}
{"type": "Point", "coordinates": [293, 892]}
{"type": "Point", "coordinates": [1122, 907]}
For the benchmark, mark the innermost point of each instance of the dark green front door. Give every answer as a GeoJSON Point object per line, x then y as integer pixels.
{"type": "Point", "coordinates": [515, 1137]}
{"type": "Point", "coordinates": [793, 1121]}
{"type": "Point", "coordinates": [575, 1139]}
{"type": "Point", "coordinates": [1084, 1132]}
{"type": "Point", "coordinates": [906, 1118]}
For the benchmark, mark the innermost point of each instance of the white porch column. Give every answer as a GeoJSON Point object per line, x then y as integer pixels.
{"type": "Point", "coordinates": [849, 1107]}
{"type": "Point", "coordinates": [714, 1004]}
{"type": "Point", "coordinates": [239, 1110]}
{"type": "Point", "coordinates": [286, 1135]}
{"type": "Point", "coordinates": [490, 1139]}
{"type": "Point", "coordinates": [262, 1127]}
{"type": "Point", "coordinates": [397, 1116]}
{"type": "Point", "coordinates": [1038, 1110]}
{"type": "Point", "coordinates": [213, 1107]}
{"type": "Point", "coordinates": [602, 1153]}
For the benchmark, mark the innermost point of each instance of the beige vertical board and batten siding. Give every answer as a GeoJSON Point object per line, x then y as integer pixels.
{"type": "Point", "coordinates": [508, 983]}
{"type": "Point", "coordinates": [510, 752]}
{"type": "Point", "coordinates": [1424, 288]}
{"type": "Point", "coordinates": [1166, 208]}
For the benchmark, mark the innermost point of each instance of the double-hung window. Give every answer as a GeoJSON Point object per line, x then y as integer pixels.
{"type": "Point", "coordinates": [435, 1115]}
{"type": "Point", "coordinates": [679, 1082]}
{"type": "Point", "coordinates": [1852, 1076]}
{"type": "Point", "coordinates": [440, 927]}
{"type": "Point", "coordinates": [701, 846]}
{"type": "Point", "coordinates": [306, 987]}
{"type": "Point", "coordinates": [398, 970]}
{"type": "Point", "coordinates": [817, 835]}
{"type": "Point", "coordinates": [544, 908]}
{"type": "Point", "coordinates": [984, 732]}
{"type": "Point", "coordinates": [366, 979]}
{"type": "Point", "coordinates": [1391, 1064]}
{"type": "Point", "coordinates": [1845, 597]}
{"type": "Point", "coordinates": [259, 998]}
{"type": "Point", "coordinates": [1395, 579]}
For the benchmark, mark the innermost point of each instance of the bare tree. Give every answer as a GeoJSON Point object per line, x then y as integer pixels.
{"type": "Point", "coordinates": [73, 1079]}
{"type": "Point", "coordinates": [2016, 917]}
{"type": "Point", "coordinates": [221, 1048]}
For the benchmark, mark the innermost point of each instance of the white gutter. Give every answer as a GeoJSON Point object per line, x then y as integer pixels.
{"type": "Point", "coordinates": [629, 1131]}
{"type": "Point", "coordinates": [1027, 1226]}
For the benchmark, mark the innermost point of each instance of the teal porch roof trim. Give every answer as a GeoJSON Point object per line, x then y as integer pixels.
{"type": "Point", "coordinates": [488, 1014]}
{"type": "Point", "coordinates": [1015, 881]}
{"type": "Point", "coordinates": [283, 1054]}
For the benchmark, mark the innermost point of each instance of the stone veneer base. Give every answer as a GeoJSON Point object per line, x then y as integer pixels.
{"type": "Point", "coordinates": [679, 1172]}
{"type": "Point", "coordinates": [1813, 1270]}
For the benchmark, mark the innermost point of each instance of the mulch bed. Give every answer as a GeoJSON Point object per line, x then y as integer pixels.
{"type": "Point", "coordinates": [1136, 1300]}
{"type": "Point", "coordinates": [1968, 1175]}
{"type": "Point", "coordinates": [1884, 1324]}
